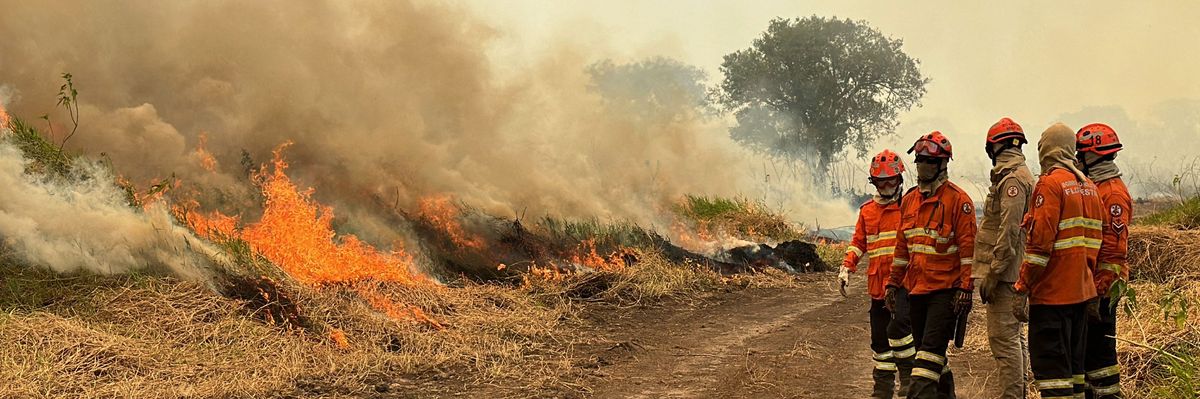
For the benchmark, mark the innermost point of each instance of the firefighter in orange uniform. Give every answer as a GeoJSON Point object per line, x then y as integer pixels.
{"type": "Point", "coordinates": [875, 237]}
{"type": "Point", "coordinates": [1096, 147]}
{"type": "Point", "coordinates": [932, 262]}
{"type": "Point", "coordinates": [1057, 291]}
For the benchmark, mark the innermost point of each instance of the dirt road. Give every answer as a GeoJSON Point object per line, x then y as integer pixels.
{"type": "Point", "coordinates": [806, 342]}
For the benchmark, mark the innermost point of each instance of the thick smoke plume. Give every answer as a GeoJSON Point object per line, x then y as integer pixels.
{"type": "Point", "coordinates": [85, 224]}
{"type": "Point", "coordinates": [387, 102]}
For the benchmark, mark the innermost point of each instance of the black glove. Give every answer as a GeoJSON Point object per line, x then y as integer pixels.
{"type": "Point", "coordinates": [889, 299]}
{"type": "Point", "coordinates": [1021, 308]}
{"type": "Point", "coordinates": [1093, 310]}
{"type": "Point", "coordinates": [962, 302]}
{"type": "Point", "coordinates": [987, 288]}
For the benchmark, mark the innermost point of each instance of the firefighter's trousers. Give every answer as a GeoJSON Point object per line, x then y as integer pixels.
{"type": "Point", "coordinates": [1007, 341]}
{"type": "Point", "coordinates": [1103, 376]}
{"type": "Point", "coordinates": [1056, 349]}
{"type": "Point", "coordinates": [893, 346]}
{"type": "Point", "coordinates": [933, 322]}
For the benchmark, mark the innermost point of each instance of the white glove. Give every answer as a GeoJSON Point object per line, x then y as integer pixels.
{"type": "Point", "coordinates": [843, 279]}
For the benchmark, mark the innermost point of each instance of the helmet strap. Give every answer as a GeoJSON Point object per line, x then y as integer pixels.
{"type": "Point", "coordinates": [994, 150]}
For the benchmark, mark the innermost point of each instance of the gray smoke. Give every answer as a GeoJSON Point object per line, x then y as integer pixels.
{"type": "Point", "coordinates": [387, 101]}
{"type": "Point", "coordinates": [70, 225]}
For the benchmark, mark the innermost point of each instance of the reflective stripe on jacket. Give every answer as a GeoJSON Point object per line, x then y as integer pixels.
{"type": "Point", "coordinates": [874, 237]}
{"type": "Point", "coordinates": [1118, 210]}
{"type": "Point", "coordinates": [1062, 238]}
{"type": "Point", "coordinates": [936, 242]}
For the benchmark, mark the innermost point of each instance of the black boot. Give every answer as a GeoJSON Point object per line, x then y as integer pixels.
{"type": "Point", "coordinates": [885, 384]}
{"type": "Point", "coordinates": [905, 366]}
{"type": "Point", "coordinates": [946, 385]}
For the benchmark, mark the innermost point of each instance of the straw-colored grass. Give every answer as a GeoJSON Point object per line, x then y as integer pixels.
{"type": "Point", "coordinates": [1159, 343]}
{"type": "Point", "coordinates": [652, 279]}
{"type": "Point", "coordinates": [741, 217]}
{"type": "Point", "coordinates": [150, 337]}
{"type": "Point", "coordinates": [130, 337]}
{"type": "Point", "coordinates": [1161, 254]}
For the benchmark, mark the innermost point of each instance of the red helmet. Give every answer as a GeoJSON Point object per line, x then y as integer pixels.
{"type": "Point", "coordinates": [886, 164]}
{"type": "Point", "coordinates": [933, 145]}
{"type": "Point", "coordinates": [1098, 138]}
{"type": "Point", "coordinates": [1004, 130]}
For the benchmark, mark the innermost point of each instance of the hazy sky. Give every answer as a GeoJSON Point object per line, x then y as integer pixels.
{"type": "Point", "coordinates": [1036, 61]}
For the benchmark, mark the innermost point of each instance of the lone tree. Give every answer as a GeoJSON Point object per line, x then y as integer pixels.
{"type": "Point", "coordinates": [810, 87]}
{"type": "Point", "coordinates": [657, 89]}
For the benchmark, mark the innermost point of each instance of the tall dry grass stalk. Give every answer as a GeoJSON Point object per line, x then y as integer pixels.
{"type": "Point", "coordinates": [1161, 254]}
{"type": "Point", "coordinates": [1159, 343]}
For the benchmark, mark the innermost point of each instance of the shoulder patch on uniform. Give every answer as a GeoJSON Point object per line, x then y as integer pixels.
{"type": "Point", "coordinates": [1118, 222]}
{"type": "Point", "coordinates": [1037, 202]}
{"type": "Point", "coordinates": [1013, 191]}
{"type": "Point", "coordinates": [966, 207]}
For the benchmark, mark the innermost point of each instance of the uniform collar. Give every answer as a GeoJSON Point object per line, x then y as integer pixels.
{"type": "Point", "coordinates": [937, 192]}
{"type": "Point", "coordinates": [1007, 161]}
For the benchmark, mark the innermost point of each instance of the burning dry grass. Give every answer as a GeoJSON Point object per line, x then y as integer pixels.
{"type": "Point", "coordinates": [151, 338]}
{"type": "Point", "coordinates": [142, 337]}
{"type": "Point", "coordinates": [330, 315]}
{"type": "Point", "coordinates": [741, 217]}
{"type": "Point", "coordinates": [650, 280]}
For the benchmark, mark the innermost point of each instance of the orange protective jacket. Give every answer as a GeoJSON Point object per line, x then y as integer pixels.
{"type": "Point", "coordinates": [936, 242]}
{"type": "Point", "coordinates": [1062, 237]}
{"type": "Point", "coordinates": [1118, 210]}
{"type": "Point", "coordinates": [875, 237]}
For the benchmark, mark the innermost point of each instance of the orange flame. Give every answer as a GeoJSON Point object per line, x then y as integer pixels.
{"type": "Point", "coordinates": [586, 256]}
{"type": "Point", "coordinates": [213, 226]}
{"type": "Point", "coordinates": [440, 212]}
{"type": "Point", "coordinates": [4, 118]}
{"type": "Point", "coordinates": [339, 339]}
{"type": "Point", "coordinates": [152, 194]}
{"type": "Point", "coordinates": [207, 161]}
{"type": "Point", "coordinates": [700, 240]}
{"type": "Point", "coordinates": [543, 273]}
{"type": "Point", "coordinates": [295, 233]}
{"type": "Point", "coordinates": [382, 303]}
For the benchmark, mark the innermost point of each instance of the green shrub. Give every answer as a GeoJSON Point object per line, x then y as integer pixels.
{"type": "Point", "coordinates": [1183, 216]}
{"type": "Point", "coordinates": [45, 157]}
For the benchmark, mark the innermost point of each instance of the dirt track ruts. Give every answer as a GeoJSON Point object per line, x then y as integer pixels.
{"type": "Point", "coordinates": [806, 342]}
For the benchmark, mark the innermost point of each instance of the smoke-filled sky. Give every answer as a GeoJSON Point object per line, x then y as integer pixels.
{"type": "Point", "coordinates": [391, 101]}
{"type": "Point", "coordinates": [387, 102]}
{"type": "Point", "coordinates": [1132, 64]}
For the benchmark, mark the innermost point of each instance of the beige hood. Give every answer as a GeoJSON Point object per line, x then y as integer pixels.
{"type": "Point", "coordinates": [1057, 149]}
